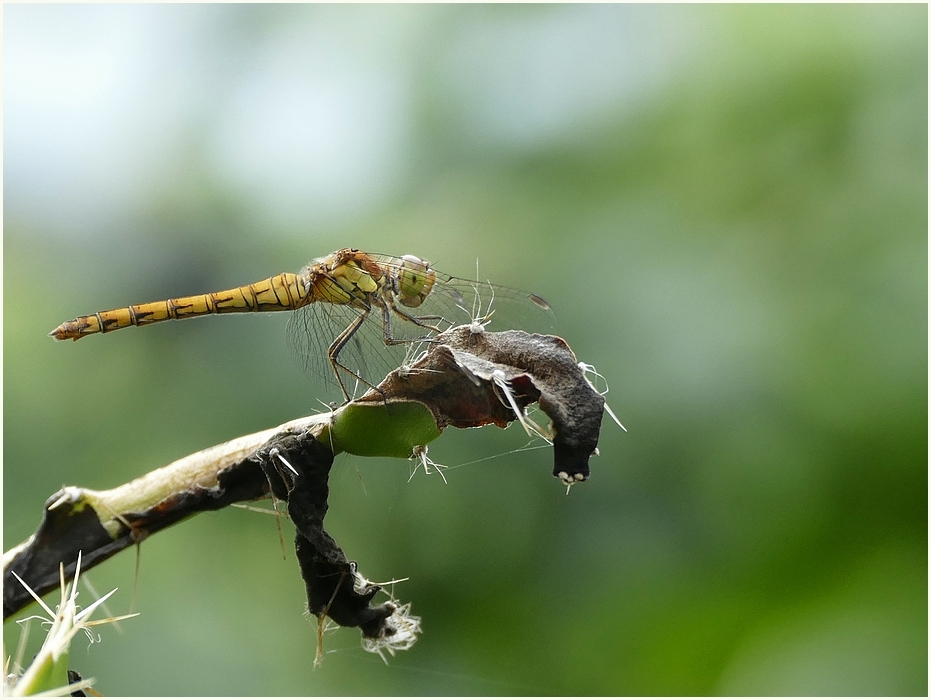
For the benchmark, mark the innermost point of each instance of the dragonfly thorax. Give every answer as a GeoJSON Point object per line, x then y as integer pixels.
{"type": "Point", "coordinates": [347, 277]}
{"type": "Point", "coordinates": [412, 281]}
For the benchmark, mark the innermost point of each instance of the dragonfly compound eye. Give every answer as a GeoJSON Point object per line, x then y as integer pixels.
{"type": "Point", "coordinates": [414, 281]}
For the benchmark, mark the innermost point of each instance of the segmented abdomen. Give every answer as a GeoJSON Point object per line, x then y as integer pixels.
{"type": "Point", "coordinates": [283, 292]}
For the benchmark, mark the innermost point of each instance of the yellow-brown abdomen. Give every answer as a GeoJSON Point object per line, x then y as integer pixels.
{"type": "Point", "coordinates": [283, 292]}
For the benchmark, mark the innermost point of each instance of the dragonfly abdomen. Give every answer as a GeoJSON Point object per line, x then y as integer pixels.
{"type": "Point", "coordinates": [283, 292]}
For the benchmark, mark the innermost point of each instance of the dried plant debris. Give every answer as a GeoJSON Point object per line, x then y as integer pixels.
{"type": "Point", "coordinates": [461, 380]}
{"type": "Point", "coordinates": [299, 471]}
{"type": "Point", "coordinates": [465, 378]}
{"type": "Point", "coordinates": [98, 524]}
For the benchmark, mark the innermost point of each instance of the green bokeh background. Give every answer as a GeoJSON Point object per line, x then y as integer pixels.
{"type": "Point", "coordinates": [725, 206]}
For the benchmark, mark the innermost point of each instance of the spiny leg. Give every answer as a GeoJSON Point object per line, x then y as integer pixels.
{"type": "Point", "coordinates": [390, 307]}
{"type": "Point", "coordinates": [337, 346]}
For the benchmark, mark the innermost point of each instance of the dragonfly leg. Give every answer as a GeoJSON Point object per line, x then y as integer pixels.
{"type": "Point", "coordinates": [389, 308]}
{"type": "Point", "coordinates": [336, 347]}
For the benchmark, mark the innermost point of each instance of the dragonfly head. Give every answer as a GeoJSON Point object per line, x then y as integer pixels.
{"type": "Point", "coordinates": [413, 281]}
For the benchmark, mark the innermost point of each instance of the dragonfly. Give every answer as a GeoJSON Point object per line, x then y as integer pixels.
{"type": "Point", "coordinates": [351, 308]}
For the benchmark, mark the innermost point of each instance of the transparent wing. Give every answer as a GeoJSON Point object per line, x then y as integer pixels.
{"type": "Point", "coordinates": [313, 328]}
{"type": "Point", "coordinates": [457, 300]}
{"type": "Point", "coordinates": [503, 308]}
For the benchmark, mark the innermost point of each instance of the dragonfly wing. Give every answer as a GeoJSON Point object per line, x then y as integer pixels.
{"type": "Point", "coordinates": [505, 308]}
{"type": "Point", "coordinates": [313, 328]}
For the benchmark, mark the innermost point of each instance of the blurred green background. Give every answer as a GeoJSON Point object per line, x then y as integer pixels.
{"type": "Point", "coordinates": [727, 209]}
